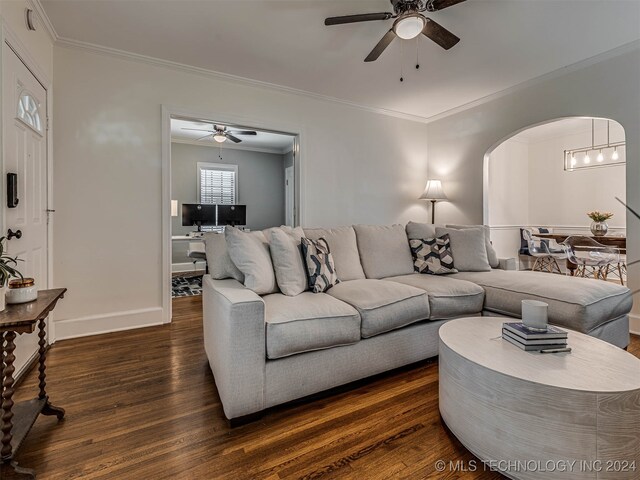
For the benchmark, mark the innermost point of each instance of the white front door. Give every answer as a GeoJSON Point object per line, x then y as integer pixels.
{"type": "Point", "coordinates": [289, 186]}
{"type": "Point", "coordinates": [24, 152]}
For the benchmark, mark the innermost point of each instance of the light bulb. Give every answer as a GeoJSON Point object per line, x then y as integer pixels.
{"type": "Point", "coordinates": [573, 161]}
{"type": "Point", "coordinates": [220, 138]}
{"type": "Point", "coordinates": [587, 158]}
{"type": "Point", "coordinates": [615, 155]}
{"type": "Point", "coordinates": [600, 157]}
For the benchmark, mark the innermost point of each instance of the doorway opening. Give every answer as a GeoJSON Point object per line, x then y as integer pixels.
{"type": "Point", "coordinates": [223, 174]}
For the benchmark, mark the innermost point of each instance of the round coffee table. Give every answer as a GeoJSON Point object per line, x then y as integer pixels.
{"type": "Point", "coordinates": [532, 415]}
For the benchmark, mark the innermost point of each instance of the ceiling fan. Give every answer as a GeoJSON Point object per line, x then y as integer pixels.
{"type": "Point", "coordinates": [409, 23]}
{"type": "Point", "coordinates": [220, 133]}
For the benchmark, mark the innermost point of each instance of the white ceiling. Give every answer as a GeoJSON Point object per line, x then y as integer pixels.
{"type": "Point", "coordinates": [267, 141]}
{"type": "Point", "coordinates": [504, 43]}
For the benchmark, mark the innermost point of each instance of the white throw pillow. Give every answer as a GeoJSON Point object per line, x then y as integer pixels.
{"type": "Point", "coordinates": [218, 260]}
{"type": "Point", "coordinates": [249, 251]}
{"type": "Point", "coordinates": [291, 273]}
{"type": "Point", "coordinates": [468, 248]}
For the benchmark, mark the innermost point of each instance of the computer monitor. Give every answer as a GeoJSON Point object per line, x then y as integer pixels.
{"type": "Point", "coordinates": [232, 215]}
{"type": "Point", "coordinates": [198, 214]}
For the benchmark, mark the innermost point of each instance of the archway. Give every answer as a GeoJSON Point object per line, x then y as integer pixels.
{"type": "Point", "coordinates": [551, 175]}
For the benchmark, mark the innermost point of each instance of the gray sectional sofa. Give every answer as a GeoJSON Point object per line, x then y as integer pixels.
{"type": "Point", "coordinates": [266, 350]}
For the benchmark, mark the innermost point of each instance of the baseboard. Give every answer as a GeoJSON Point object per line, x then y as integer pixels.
{"type": "Point", "coordinates": [187, 267]}
{"type": "Point", "coordinates": [634, 323]}
{"type": "Point", "coordinates": [107, 323]}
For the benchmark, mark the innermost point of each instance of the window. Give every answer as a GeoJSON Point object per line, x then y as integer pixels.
{"type": "Point", "coordinates": [218, 183]}
{"type": "Point", "coordinates": [29, 111]}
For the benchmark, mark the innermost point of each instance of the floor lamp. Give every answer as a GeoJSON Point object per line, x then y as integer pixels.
{"type": "Point", "coordinates": [434, 193]}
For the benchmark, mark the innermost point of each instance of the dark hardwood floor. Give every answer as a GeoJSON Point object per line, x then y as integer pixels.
{"type": "Point", "coordinates": [142, 404]}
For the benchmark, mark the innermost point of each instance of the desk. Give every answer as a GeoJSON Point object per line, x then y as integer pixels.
{"type": "Point", "coordinates": [16, 320]}
{"type": "Point", "coordinates": [186, 238]}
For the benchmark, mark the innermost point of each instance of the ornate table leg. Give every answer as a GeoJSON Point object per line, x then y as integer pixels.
{"type": "Point", "coordinates": [9, 469]}
{"type": "Point", "coordinates": [48, 409]}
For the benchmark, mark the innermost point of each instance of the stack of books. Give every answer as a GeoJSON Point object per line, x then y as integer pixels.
{"type": "Point", "coordinates": [531, 340]}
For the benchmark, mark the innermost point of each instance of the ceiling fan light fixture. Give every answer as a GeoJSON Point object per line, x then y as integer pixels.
{"type": "Point", "coordinates": [220, 138]}
{"type": "Point", "coordinates": [409, 27]}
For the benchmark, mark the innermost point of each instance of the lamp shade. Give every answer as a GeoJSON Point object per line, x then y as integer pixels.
{"type": "Point", "coordinates": [433, 191]}
{"type": "Point", "coordinates": [174, 208]}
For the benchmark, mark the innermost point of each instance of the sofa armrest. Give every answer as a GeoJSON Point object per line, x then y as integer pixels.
{"type": "Point", "coordinates": [508, 264]}
{"type": "Point", "coordinates": [234, 340]}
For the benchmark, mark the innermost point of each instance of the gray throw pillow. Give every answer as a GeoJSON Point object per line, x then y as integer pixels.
{"type": "Point", "coordinates": [218, 260]}
{"type": "Point", "coordinates": [432, 255]}
{"type": "Point", "coordinates": [491, 253]}
{"type": "Point", "coordinates": [291, 273]}
{"type": "Point", "coordinates": [384, 250]}
{"type": "Point", "coordinates": [418, 231]}
{"type": "Point", "coordinates": [249, 251]}
{"type": "Point", "coordinates": [468, 248]}
{"type": "Point", "coordinates": [320, 267]}
{"type": "Point", "coordinates": [344, 249]}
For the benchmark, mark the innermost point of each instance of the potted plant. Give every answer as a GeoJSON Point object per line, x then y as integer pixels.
{"type": "Point", "coordinates": [8, 270]}
{"type": "Point", "coordinates": [599, 225]}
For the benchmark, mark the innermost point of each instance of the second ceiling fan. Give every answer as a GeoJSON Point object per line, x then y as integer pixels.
{"type": "Point", "coordinates": [409, 23]}
{"type": "Point", "coordinates": [221, 134]}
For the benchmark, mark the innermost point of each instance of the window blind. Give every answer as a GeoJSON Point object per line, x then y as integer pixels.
{"type": "Point", "coordinates": [217, 185]}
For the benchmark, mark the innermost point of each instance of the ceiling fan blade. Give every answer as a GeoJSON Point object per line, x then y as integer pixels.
{"type": "Point", "coordinates": [365, 17]}
{"type": "Point", "coordinates": [198, 139]}
{"type": "Point", "coordinates": [232, 138]}
{"type": "Point", "coordinates": [436, 32]}
{"type": "Point", "coordinates": [381, 46]}
{"type": "Point", "coordinates": [199, 130]}
{"type": "Point", "coordinates": [436, 5]}
{"type": "Point", "coordinates": [245, 132]}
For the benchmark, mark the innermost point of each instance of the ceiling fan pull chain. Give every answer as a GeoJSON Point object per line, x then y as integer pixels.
{"type": "Point", "coordinates": [417, 53]}
{"type": "Point", "coordinates": [401, 63]}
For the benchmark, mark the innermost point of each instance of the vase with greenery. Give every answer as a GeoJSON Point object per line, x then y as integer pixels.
{"type": "Point", "coordinates": [8, 270]}
{"type": "Point", "coordinates": [599, 225]}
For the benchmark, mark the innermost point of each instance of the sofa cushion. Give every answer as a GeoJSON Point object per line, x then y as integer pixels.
{"type": "Point", "coordinates": [218, 260]}
{"type": "Point", "coordinates": [249, 251]}
{"type": "Point", "coordinates": [290, 269]}
{"type": "Point", "coordinates": [344, 248]}
{"type": "Point", "coordinates": [492, 256]}
{"type": "Point", "coordinates": [383, 306]}
{"type": "Point", "coordinates": [468, 248]}
{"type": "Point", "coordinates": [306, 322]}
{"type": "Point", "coordinates": [384, 250]}
{"type": "Point", "coordinates": [580, 304]}
{"type": "Point", "coordinates": [448, 297]}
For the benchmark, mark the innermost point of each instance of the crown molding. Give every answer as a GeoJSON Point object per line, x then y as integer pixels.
{"type": "Point", "coordinates": [230, 146]}
{"type": "Point", "coordinates": [226, 77]}
{"type": "Point", "coordinates": [44, 19]}
{"type": "Point", "coordinates": [587, 62]}
{"type": "Point", "coordinates": [235, 79]}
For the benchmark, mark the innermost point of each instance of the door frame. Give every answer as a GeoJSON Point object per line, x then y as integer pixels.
{"type": "Point", "coordinates": [168, 112]}
{"type": "Point", "coordinates": [8, 36]}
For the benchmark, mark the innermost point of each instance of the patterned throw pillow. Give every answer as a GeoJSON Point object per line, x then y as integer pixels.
{"type": "Point", "coordinates": [320, 267]}
{"type": "Point", "coordinates": [432, 255]}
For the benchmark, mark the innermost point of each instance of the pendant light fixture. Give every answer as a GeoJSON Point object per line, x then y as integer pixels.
{"type": "Point", "coordinates": [600, 152]}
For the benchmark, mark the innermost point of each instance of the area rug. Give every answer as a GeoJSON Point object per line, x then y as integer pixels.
{"type": "Point", "coordinates": [186, 285]}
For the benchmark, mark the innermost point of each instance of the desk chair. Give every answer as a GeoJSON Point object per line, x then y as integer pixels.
{"type": "Point", "coordinates": [197, 253]}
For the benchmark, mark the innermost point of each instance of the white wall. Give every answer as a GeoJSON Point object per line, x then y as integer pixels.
{"type": "Point", "coordinates": [508, 195]}
{"type": "Point", "coordinates": [357, 167]}
{"type": "Point", "coordinates": [563, 198]}
{"type": "Point", "coordinates": [606, 89]}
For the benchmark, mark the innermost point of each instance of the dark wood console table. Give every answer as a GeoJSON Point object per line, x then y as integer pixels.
{"type": "Point", "coordinates": [16, 320]}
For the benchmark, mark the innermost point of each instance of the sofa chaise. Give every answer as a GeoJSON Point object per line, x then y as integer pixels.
{"type": "Point", "coordinates": [268, 349]}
